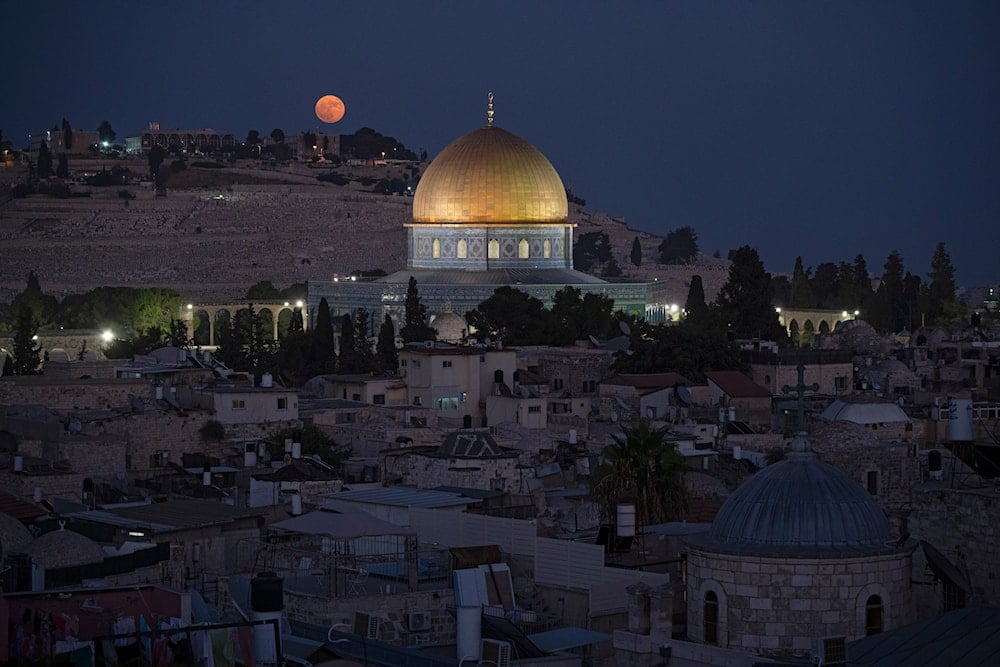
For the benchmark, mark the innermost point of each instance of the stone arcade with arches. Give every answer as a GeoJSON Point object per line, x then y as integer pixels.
{"type": "Point", "coordinates": [203, 320]}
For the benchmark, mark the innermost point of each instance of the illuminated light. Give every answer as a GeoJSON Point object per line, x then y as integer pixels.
{"type": "Point", "coordinates": [35, 337]}
{"type": "Point", "coordinates": [190, 306]}
{"type": "Point", "coordinates": [844, 314]}
{"type": "Point", "coordinates": [298, 304]}
{"type": "Point", "coordinates": [777, 309]}
{"type": "Point", "coordinates": [856, 313]}
{"type": "Point", "coordinates": [353, 278]}
{"type": "Point", "coordinates": [674, 308]}
{"type": "Point", "coordinates": [107, 336]}
{"type": "Point", "coordinates": [136, 533]}
{"type": "Point", "coordinates": [287, 304]}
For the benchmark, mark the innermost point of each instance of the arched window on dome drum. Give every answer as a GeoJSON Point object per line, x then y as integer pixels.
{"type": "Point", "coordinates": [436, 248]}
{"type": "Point", "coordinates": [546, 248]}
{"type": "Point", "coordinates": [711, 621]}
{"type": "Point", "coordinates": [494, 249]}
{"type": "Point", "coordinates": [873, 616]}
{"type": "Point", "coordinates": [462, 249]}
{"type": "Point", "coordinates": [522, 249]}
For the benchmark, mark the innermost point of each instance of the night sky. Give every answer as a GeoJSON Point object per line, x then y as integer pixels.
{"type": "Point", "coordinates": [820, 129]}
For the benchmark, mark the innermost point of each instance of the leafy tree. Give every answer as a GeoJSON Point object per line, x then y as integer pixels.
{"type": "Point", "coordinates": [8, 366]}
{"type": "Point", "coordinates": [612, 270]}
{"type": "Point", "coordinates": [157, 154]}
{"type": "Point", "coordinates": [590, 249]}
{"type": "Point", "coordinates": [746, 301]}
{"type": "Point", "coordinates": [212, 431]}
{"type": "Point", "coordinates": [178, 336]}
{"type": "Point", "coordinates": [44, 160]}
{"type": "Point", "coordinates": [643, 468]}
{"type": "Point", "coordinates": [695, 306]}
{"type": "Point", "coordinates": [940, 304]}
{"type": "Point", "coordinates": [309, 139]}
{"type": "Point", "coordinates": [363, 353]}
{"type": "Point", "coordinates": [106, 132]}
{"type": "Point", "coordinates": [679, 246]}
{"type": "Point", "coordinates": [509, 315]}
{"type": "Point", "coordinates": [636, 254]}
{"type": "Point", "coordinates": [323, 355]}
{"type": "Point", "coordinates": [45, 308]}
{"type": "Point", "coordinates": [415, 327]}
{"type": "Point", "coordinates": [912, 290]}
{"type": "Point", "coordinates": [253, 138]}
{"type": "Point", "coordinates": [264, 290]}
{"type": "Point", "coordinates": [387, 357]}
{"type": "Point", "coordinates": [802, 293]}
{"type": "Point", "coordinates": [824, 285]}
{"type": "Point", "coordinates": [62, 168]}
{"type": "Point", "coordinates": [5, 144]}
{"type": "Point", "coordinates": [27, 352]}
{"type": "Point", "coordinates": [861, 286]}
{"type": "Point", "coordinates": [67, 135]}
{"type": "Point", "coordinates": [347, 361]}
{"type": "Point", "coordinates": [889, 308]}
{"type": "Point", "coordinates": [574, 316]}
{"type": "Point", "coordinates": [242, 347]}
{"type": "Point", "coordinates": [689, 348]}
{"type": "Point", "coordinates": [278, 135]}
{"type": "Point", "coordinates": [314, 442]}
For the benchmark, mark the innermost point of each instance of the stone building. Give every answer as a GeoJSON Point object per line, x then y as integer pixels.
{"type": "Point", "coordinates": [798, 560]}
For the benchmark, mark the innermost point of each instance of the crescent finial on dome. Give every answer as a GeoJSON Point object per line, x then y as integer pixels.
{"type": "Point", "coordinates": [489, 109]}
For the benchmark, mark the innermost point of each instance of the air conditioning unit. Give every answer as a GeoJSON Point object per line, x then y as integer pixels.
{"type": "Point", "coordinates": [493, 652]}
{"type": "Point", "coordinates": [366, 625]}
{"type": "Point", "coordinates": [829, 651]}
{"type": "Point", "coordinates": [419, 621]}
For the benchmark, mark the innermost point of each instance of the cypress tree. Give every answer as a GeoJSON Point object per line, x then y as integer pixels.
{"type": "Point", "coordinates": [388, 357]}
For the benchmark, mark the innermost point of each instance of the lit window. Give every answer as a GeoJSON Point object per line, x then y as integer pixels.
{"type": "Point", "coordinates": [546, 249]}
{"type": "Point", "coordinates": [462, 249]}
{"type": "Point", "coordinates": [239, 404]}
{"type": "Point", "coordinates": [436, 248]}
{"type": "Point", "coordinates": [493, 251]}
{"type": "Point", "coordinates": [522, 249]}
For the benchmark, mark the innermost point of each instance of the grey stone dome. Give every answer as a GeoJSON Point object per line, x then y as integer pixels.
{"type": "Point", "coordinates": [799, 506]}
{"type": "Point", "coordinates": [64, 548]}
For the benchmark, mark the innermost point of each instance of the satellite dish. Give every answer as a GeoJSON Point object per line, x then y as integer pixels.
{"type": "Point", "coordinates": [594, 341]}
{"type": "Point", "coordinates": [614, 417]}
{"type": "Point", "coordinates": [625, 328]}
{"type": "Point", "coordinates": [684, 395]}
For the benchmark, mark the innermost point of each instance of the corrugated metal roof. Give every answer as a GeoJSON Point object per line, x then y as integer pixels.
{"type": "Point", "coordinates": [169, 515]}
{"type": "Point", "coordinates": [340, 525]}
{"type": "Point", "coordinates": [962, 638]}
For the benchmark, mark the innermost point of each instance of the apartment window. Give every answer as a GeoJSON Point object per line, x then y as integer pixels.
{"type": "Point", "coordinates": [416, 363]}
{"type": "Point", "coordinates": [355, 397]}
{"type": "Point", "coordinates": [840, 383]}
{"type": "Point", "coordinates": [589, 386]}
{"type": "Point", "coordinates": [283, 403]}
{"type": "Point", "coordinates": [402, 362]}
{"type": "Point", "coordinates": [871, 482]}
{"type": "Point", "coordinates": [378, 399]}
{"type": "Point", "coordinates": [239, 404]}
{"type": "Point", "coordinates": [417, 401]}
{"type": "Point", "coordinates": [873, 615]}
{"type": "Point", "coordinates": [711, 620]}
{"type": "Point", "coordinates": [534, 409]}
{"type": "Point", "coordinates": [557, 383]}
{"type": "Point", "coordinates": [445, 364]}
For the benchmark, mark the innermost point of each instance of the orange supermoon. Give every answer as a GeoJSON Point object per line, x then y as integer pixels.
{"type": "Point", "coordinates": [329, 108]}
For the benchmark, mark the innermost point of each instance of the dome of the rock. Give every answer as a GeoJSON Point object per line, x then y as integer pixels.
{"type": "Point", "coordinates": [490, 176]}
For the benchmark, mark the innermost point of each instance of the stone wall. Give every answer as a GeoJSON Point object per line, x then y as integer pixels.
{"type": "Point", "coordinates": [393, 610]}
{"type": "Point", "coordinates": [71, 394]}
{"type": "Point", "coordinates": [964, 525]}
{"type": "Point", "coordinates": [426, 472]}
{"type": "Point", "coordinates": [777, 606]}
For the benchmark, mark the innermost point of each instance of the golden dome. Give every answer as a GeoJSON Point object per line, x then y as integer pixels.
{"type": "Point", "coordinates": [490, 176]}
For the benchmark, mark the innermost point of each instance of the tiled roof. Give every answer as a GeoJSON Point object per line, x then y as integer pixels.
{"type": "Point", "coordinates": [737, 385]}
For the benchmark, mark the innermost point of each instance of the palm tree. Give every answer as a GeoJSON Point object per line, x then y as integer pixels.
{"type": "Point", "coordinates": [643, 469]}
